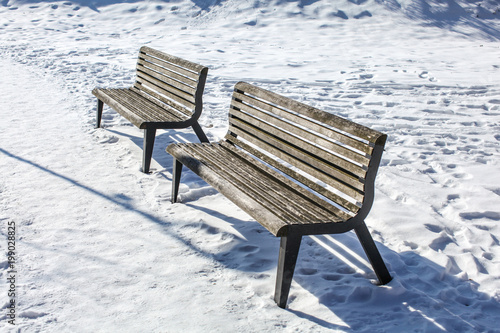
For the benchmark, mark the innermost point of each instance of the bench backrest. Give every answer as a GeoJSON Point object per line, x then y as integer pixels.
{"type": "Point", "coordinates": [310, 146]}
{"type": "Point", "coordinates": [167, 79]}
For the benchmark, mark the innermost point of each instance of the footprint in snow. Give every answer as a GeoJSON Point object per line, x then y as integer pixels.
{"type": "Point", "coordinates": [363, 14]}
{"type": "Point", "coordinates": [411, 245]}
{"type": "Point", "coordinates": [425, 75]}
{"type": "Point", "coordinates": [307, 271]}
{"type": "Point", "coordinates": [332, 277]}
{"type": "Point", "coordinates": [31, 314]}
{"type": "Point", "coordinates": [433, 228]}
{"type": "Point", "coordinates": [332, 298]}
{"type": "Point", "coordinates": [110, 139]}
{"type": "Point", "coordinates": [248, 249]}
{"type": "Point", "coordinates": [360, 295]}
{"type": "Point", "coordinates": [495, 216]}
{"type": "Point", "coordinates": [441, 242]}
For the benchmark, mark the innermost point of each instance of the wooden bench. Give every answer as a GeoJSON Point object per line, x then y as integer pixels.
{"type": "Point", "coordinates": [167, 94]}
{"type": "Point", "coordinates": [295, 169]}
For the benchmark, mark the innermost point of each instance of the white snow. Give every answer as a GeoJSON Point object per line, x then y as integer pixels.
{"type": "Point", "coordinates": [99, 246]}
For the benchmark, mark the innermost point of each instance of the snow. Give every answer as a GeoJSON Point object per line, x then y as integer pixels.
{"type": "Point", "coordinates": [99, 247]}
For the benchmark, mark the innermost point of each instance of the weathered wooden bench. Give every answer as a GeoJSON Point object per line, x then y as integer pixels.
{"type": "Point", "coordinates": [295, 169]}
{"type": "Point", "coordinates": [167, 94]}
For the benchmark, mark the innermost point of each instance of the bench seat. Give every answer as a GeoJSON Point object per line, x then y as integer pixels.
{"type": "Point", "coordinates": [138, 109]}
{"type": "Point", "coordinates": [264, 193]}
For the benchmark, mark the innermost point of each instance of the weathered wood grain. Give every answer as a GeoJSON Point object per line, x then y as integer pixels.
{"type": "Point", "coordinates": [167, 94]}
{"type": "Point", "coordinates": [311, 112]}
{"type": "Point", "coordinates": [185, 65]}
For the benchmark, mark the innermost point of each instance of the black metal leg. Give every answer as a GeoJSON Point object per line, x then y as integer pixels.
{"type": "Point", "coordinates": [373, 254]}
{"type": "Point", "coordinates": [199, 132]}
{"type": "Point", "coordinates": [289, 251]}
{"type": "Point", "coordinates": [99, 113]}
{"type": "Point", "coordinates": [176, 178]}
{"type": "Point", "coordinates": [149, 141]}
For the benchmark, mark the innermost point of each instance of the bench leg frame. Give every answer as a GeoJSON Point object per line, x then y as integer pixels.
{"type": "Point", "coordinates": [176, 178]}
{"type": "Point", "coordinates": [199, 132]}
{"type": "Point", "coordinates": [372, 253]}
{"type": "Point", "coordinates": [289, 251]}
{"type": "Point", "coordinates": [100, 105]}
{"type": "Point", "coordinates": [149, 141]}
{"type": "Point", "coordinates": [148, 145]}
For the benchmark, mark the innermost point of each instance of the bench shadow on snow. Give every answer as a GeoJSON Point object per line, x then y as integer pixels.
{"type": "Point", "coordinates": [333, 270]}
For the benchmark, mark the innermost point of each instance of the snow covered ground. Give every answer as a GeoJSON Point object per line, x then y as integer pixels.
{"type": "Point", "coordinates": [99, 247]}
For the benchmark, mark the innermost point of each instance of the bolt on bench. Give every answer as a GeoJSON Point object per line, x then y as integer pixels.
{"type": "Point", "coordinates": [167, 94]}
{"type": "Point", "coordinates": [295, 169]}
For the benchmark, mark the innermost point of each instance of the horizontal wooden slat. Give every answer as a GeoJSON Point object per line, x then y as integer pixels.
{"type": "Point", "coordinates": [291, 203]}
{"type": "Point", "coordinates": [308, 183]}
{"type": "Point", "coordinates": [163, 72]}
{"type": "Point", "coordinates": [253, 136]}
{"type": "Point", "coordinates": [162, 88]}
{"type": "Point", "coordinates": [312, 126]}
{"type": "Point", "coordinates": [166, 84]}
{"type": "Point", "coordinates": [311, 112]}
{"type": "Point", "coordinates": [216, 169]}
{"type": "Point", "coordinates": [105, 96]}
{"type": "Point", "coordinates": [298, 150]}
{"type": "Point", "coordinates": [259, 212]}
{"type": "Point", "coordinates": [174, 67]}
{"type": "Point", "coordinates": [147, 110]}
{"type": "Point", "coordinates": [289, 183]}
{"type": "Point", "coordinates": [154, 97]}
{"type": "Point", "coordinates": [136, 108]}
{"type": "Point", "coordinates": [260, 186]}
{"type": "Point", "coordinates": [304, 139]}
{"type": "Point", "coordinates": [173, 59]}
{"type": "Point", "coordinates": [284, 196]}
{"type": "Point", "coordinates": [171, 80]}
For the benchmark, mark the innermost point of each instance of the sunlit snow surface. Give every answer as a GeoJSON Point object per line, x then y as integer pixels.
{"type": "Point", "coordinates": [101, 249]}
